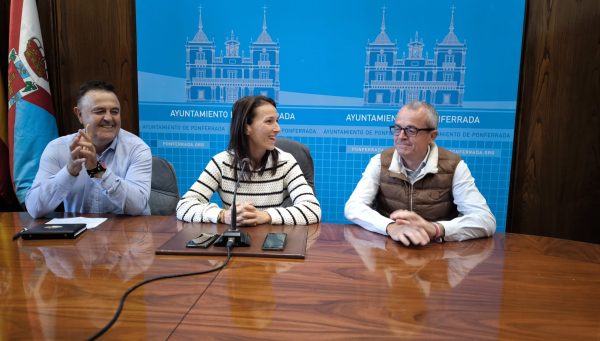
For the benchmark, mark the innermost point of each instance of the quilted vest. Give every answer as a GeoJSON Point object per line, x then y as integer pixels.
{"type": "Point", "coordinates": [430, 197]}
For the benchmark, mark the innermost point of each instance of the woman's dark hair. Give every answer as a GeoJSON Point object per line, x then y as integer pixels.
{"type": "Point", "coordinates": [243, 113]}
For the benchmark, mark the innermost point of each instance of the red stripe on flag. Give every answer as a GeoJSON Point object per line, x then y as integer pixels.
{"type": "Point", "coordinates": [14, 32]}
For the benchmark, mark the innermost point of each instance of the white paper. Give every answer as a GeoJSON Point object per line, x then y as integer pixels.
{"type": "Point", "coordinates": [90, 223]}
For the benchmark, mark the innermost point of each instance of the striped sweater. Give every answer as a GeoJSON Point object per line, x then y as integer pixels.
{"type": "Point", "coordinates": [266, 192]}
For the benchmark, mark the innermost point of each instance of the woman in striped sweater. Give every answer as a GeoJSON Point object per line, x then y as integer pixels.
{"type": "Point", "coordinates": [267, 175]}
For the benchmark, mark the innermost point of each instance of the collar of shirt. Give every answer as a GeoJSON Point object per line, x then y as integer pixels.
{"type": "Point", "coordinates": [113, 146]}
{"type": "Point", "coordinates": [397, 166]}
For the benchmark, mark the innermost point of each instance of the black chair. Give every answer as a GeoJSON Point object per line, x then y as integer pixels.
{"type": "Point", "coordinates": [302, 154]}
{"type": "Point", "coordinates": [164, 192]}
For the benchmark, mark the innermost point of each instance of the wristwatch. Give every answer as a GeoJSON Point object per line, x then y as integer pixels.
{"type": "Point", "coordinates": [98, 169]}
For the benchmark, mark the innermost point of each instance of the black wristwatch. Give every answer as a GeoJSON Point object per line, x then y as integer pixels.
{"type": "Point", "coordinates": [98, 169]}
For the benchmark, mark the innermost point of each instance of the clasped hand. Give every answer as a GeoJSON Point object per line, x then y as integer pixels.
{"type": "Point", "coordinates": [248, 215]}
{"type": "Point", "coordinates": [83, 153]}
{"type": "Point", "coordinates": [409, 228]}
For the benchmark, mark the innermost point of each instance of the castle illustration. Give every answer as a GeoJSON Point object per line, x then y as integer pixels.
{"type": "Point", "coordinates": [224, 78]}
{"type": "Point", "coordinates": [393, 80]}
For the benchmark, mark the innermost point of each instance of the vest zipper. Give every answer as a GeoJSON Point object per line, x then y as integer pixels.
{"type": "Point", "coordinates": [411, 197]}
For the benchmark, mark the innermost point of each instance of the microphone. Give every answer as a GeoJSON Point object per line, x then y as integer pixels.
{"type": "Point", "coordinates": [233, 236]}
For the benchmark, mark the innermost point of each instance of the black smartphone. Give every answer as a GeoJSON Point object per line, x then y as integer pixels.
{"type": "Point", "coordinates": [204, 240]}
{"type": "Point", "coordinates": [274, 241]}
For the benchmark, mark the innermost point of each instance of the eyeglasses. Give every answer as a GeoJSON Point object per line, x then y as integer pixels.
{"type": "Point", "coordinates": [409, 131]}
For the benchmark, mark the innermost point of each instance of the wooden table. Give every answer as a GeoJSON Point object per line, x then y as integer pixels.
{"type": "Point", "coordinates": [353, 284]}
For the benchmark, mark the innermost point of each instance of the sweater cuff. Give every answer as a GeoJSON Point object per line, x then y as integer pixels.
{"type": "Point", "coordinates": [275, 216]}
{"type": "Point", "coordinates": [213, 214]}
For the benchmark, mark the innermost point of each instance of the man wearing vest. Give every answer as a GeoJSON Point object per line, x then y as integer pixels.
{"type": "Point", "coordinates": [418, 192]}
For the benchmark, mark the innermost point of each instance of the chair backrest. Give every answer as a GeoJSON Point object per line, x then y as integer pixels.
{"type": "Point", "coordinates": [302, 154]}
{"type": "Point", "coordinates": [164, 192]}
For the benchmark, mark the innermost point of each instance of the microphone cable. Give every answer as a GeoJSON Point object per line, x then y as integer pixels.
{"type": "Point", "coordinates": [139, 284]}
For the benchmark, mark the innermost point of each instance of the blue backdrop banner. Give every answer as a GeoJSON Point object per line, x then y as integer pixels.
{"type": "Point", "coordinates": [339, 71]}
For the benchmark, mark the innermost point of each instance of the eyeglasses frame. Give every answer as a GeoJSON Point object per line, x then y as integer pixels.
{"type": "Point", "coordinates": [396, 128]}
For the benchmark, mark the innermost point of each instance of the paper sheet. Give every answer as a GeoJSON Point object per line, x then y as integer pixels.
{"type": "Point", "coordinates": [90, 223]}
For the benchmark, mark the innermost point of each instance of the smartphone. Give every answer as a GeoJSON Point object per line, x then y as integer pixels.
{"type": "Point", "coordinates": [274, 241]}
{"type": "Point", "coordinates": [204, 240]}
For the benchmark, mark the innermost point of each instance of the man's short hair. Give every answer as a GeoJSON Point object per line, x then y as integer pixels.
{"type": "Point", "coordinates": [432, 115]}
{"type": "Point", "coordinates": [94, 85]}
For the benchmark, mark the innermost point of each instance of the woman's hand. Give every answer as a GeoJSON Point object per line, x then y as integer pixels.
{"type": "Point", "coordinates": [248, 215]}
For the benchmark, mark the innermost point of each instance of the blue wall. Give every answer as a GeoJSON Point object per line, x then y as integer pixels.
{"type": "Point", "coordinates": [339, 71]}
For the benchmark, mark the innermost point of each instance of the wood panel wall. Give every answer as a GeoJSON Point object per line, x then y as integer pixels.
{"type": "Point", "coordinates": [555, 187]}
{"type": "Point", "coordinates": [85, 40]}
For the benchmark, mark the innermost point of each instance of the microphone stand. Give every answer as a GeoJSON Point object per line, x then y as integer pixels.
{"type": "Point", "coordinates": [233, 236]}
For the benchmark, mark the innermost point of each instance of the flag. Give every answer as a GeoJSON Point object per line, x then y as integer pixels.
{"type": "Point", "coordinates": [7, 195]}
{"type": "Point", "coordinates": [31, 120]}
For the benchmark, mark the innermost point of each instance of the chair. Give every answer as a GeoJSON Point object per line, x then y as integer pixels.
{"type": "Point", "coordinates": [164, 192]}
{"type": "Point", "coordinates": [302, 154]}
